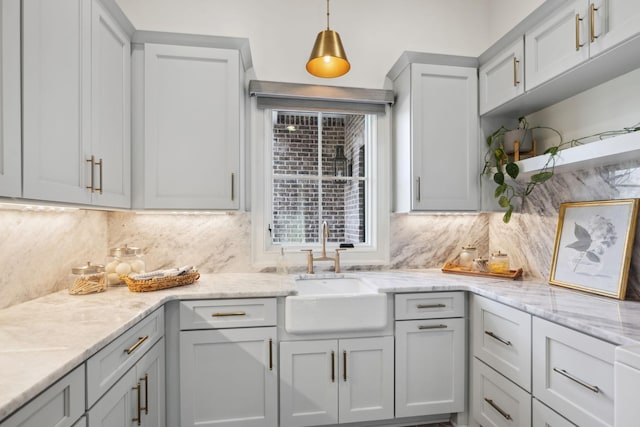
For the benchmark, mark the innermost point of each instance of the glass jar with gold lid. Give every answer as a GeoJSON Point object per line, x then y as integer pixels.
{"type": "Point", "coordinates": [87, 279]}
{"type": "Point", "coordinates": [499, 263]}
{"type": "Point", "coordinates": [122, 261]}
{"type": "Point", "coordinates": [467, 255]}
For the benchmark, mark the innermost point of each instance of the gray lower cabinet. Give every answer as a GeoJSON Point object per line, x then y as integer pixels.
{"type": "Point", "coordinates": [61, 405]}
{"type": "Point", "coordinates": [137, 399]}
{"type": "Point", "coordinates": [228, 373]}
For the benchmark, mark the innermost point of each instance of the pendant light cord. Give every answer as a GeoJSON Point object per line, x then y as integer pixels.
{"type": "Point", "coordinates": [327, 14]}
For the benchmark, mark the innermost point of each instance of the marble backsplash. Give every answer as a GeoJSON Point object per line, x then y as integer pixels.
{"type": "Point", "coordinates": [39, 248]}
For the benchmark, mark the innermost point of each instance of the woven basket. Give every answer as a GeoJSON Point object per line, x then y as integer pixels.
{"type": "Point", "coordinates": [160, 283]}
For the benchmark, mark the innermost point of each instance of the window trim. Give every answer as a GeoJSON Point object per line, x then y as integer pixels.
{"type": "Point", "coordinates": [263, 254]}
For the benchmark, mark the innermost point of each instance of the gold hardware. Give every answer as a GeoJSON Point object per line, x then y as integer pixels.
{"type": "Point", "coordinates": [430, 306]}
{"type": "Point", "coordinates": [441, 326]}
{"type": "Point", "coordinates": [344, 368]}
{"type": "Point", "coordinates": [495, 337]}
{"type": "Point", "coordinates": [270, 354]}
{"type": "Point", "coordinates": [418, 194]}
{"type": "Point", "coordinates": [323, 255]}
{"type": "Point", "coordinates": [139, 408]}
{"type": "Point", "coordinates": [230, 313]}
{"type": "Point", "coordinates": [99, 189]}
{"type": "Point", "coordinates": [233, 187]}
{"type": "Point", "coordinates": [146, 394]}
{"type": "Point", "coordinates": [592, 22]}
{"type": "Point", "coordinates": [91, 161]}
{"type": "Point", "coordinates": [516, 82]}
{"type": "Point", "coordinates": [137, 344]}
{"type": "Point", "coordinates": [578, 19]}
{"type": "Point", "coordinates": [333, 367]}
{"type": "Point", "coordinates": [505, 415]}
{"type": "Point", "coordinates": [577, 380]}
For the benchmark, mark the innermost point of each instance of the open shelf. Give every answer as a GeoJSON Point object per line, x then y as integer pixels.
{"type": "Point", "coordinates": [605, 152]}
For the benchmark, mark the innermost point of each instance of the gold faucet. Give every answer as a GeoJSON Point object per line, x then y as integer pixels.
{"type": "Point", "coordinates": [323, 255]}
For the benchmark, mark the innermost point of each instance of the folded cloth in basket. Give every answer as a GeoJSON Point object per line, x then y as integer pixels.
{"type": "Point", "coordinates": [178, 271]}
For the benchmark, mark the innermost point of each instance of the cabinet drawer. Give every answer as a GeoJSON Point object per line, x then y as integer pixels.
{"type": "Point", "coordinates": [573, 373]}
{"type": "Point", "coordinates": [501, 337]}
{"type": "Point", "coordinates": [106, 367]}
{"type": "Point", "coordinates": [435, 305]}
{"type": "Point", "coordinates": [230, 313]}
{"type": "Point", "coordinates": [543, 416]}
{"type": "Point", "coordinates": [497, 401]}
{"type": "Point", "coordinates": [58, 406]}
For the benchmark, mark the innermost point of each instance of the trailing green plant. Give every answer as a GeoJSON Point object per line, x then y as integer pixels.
{"type": "Point", "coordinates": [500, 167]}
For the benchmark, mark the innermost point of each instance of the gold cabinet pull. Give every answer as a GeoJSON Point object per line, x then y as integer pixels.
{"type": "Point", "coordinates": [592, 22]}
{"type": "Point", "coordinates": [333, 366]}
{"type": "Point", "coordinates": [270, 354]}
{"type": "Point", "coordinates": [137, 344]}
{"type": "Point", "coordinates": [578, 20]}
{"type": "Point", "coordinates": [99, 163]}
{"type": "Point", "coordinates": [344, 370]}
{"type": "Point", "coordinates": [233, 186]}
{"type": "Point", "coordinates": [516, 82]}
{"type": "Point", "coordinates": [422, 306]}
{"type": "Point", "coordinates": [440, 326]}
{"type": "Point", "coordinates": [229, 313]}
{"type": "Point", "coordinates": [146, 394]}
{"type": "Point", "coordinates": [496, 337]}
{"type": "Point", "coordinates": [593, 388]}
{"type": "Point", "coordinates": [91, 187]}
{"type": "Point", "coordinates": [505, 415]}
{"type": "Point", "coordinates": [139, 419]}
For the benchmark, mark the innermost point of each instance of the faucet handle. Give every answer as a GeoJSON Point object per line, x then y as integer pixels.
{"type": "Point", "coordinates": [309, 260]}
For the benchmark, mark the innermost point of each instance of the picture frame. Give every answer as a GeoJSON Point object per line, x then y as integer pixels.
{"type": "Point", "coordinates": [593, 246]}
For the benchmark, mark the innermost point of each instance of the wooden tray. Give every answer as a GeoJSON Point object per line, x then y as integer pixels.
{"type": "Point", "coordinates": [450, 267]}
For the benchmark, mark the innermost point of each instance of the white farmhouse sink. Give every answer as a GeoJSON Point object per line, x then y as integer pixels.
{"type": "Point", "coordinates": [335, 304]}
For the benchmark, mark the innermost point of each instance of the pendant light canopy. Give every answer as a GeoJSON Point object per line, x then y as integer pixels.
{"type": "Point", "coordinates": [328, 58]}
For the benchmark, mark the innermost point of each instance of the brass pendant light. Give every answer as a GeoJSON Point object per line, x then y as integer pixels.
{"type": "Point", "coordinates": [328, 58]}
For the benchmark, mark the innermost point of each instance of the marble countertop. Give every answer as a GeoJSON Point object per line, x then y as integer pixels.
{"type": "Point", "coordinates": [43, 339]}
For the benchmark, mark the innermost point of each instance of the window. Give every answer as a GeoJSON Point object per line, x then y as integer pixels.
{"type": "Point", "coordinates": [319, 173]}
{"type": "Point", "coordinates": [316, 158]}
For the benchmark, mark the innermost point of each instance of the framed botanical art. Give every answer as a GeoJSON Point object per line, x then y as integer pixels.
{"type": "Point", "coordinates": [593, 246]}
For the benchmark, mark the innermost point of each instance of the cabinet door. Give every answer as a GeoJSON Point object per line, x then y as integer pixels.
{"type": "Point", "coordinates": [614, 21]}
{"type": "Point", "coordinates": [10, 131]}
{"type": "Point", "coordinates": [118, 407]}
{"type": "Point", "coordinates": [366, 379]}
{"type": "Point", "coordinates": [430, 367]}
{"type": "Point", "coordinates": [58, 406]}
{"type": "Point", "coordinates": [111, 111]}
{"type": "Point", "coordinates": [228, 377]}
{"type": "Point", "coordinates": [502, 78]}
{"type": "Point", "coordinates": [496, 401]}
{"type": "Point", "coordinates": [557, 44]}
{"type": "Point", "coordinates": [56, 64]}
{"type": "Point", "coordinates": [192, 127]}
{"type": "Point", "coordinates": [444, 120]}
{"type": "Point", "coordinates": [308, 383]}
{"type": "Point", "coordinates": [150, 375]}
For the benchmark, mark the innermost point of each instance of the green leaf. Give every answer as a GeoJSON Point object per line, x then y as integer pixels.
{"type": "Point", "coordinates": [512, 170]}
{"type": "Point", "coordinates": [498, 153]}
{"type": "Point", "coordinates": [503, 201]}
{"type": "Point", "coordinates": [500, 189]}
{"type": "Point", "coordinates": [498, 178]}
{"type": "Point", "coordinates": [507, 215]}
{"type": "Point", "coordinates": [541, 177]}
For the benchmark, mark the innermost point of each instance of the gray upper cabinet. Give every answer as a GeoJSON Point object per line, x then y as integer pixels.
{"type": "Point", "coordinates": [189, 115]}
{"type": "Point", "coordinates": [76, 79]}
{"type": "Point", "coordinates": [502, 78]}
{"type": "Point", "coordinates": [436, 132]}
{"type": "Point", "coordinates": [10, 130]}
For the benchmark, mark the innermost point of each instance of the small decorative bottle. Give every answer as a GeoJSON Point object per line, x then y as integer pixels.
{"type": "Point", "coordinates": [467, 255]}
{"type": "Point", "coordinates": [499, 263]}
